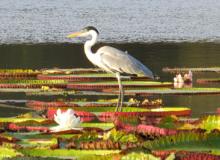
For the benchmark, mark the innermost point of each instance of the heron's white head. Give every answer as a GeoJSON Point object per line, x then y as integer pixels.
{"type": "Point", "coordinates": [84, 32]}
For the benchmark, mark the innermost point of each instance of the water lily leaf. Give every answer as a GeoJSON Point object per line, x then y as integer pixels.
{"type": "Point", "coordinates": [103, 126]}
{"type": "Point", "coordinates": [196, 155]}
{"type": "Point", "coordinates": [8, 153]}
{"type": "Point", "coordinates": [66, 153]}
{"type": "Point", "coordinates": [210, 122]}
{"type": "Point", "coordinates": [38, 142]}
{"type": "Point", "coordinates": [71, 71]}
{"type": "Point", "coordinates": [4, 138]}
{"type": "Point", "coordinates": [177, 91]}
{"type": "Point", "coordinates": [33, 81]}
{"type": "Point", "coordinates": [139, 155]}
{"type": "Point", "coordinates": [18, 71]}
{"type": "Point", "coordinates": [113, 84]}
{"type": "Point", "coordinates": [119, 136]}
{"type": "Point", "coordinates": [189, 141]}
{"type": "Point", "coordinates": [168, 122]}
{"type": "Point", "coordinates": [78, 76]}
{"type": "Point", "coordinates": [177, 70]}
{"type": "Point", "coordinates": [32, 158]}
{"type": "Point", "coordinates": [132, 111]}
{"type": "Point", "coordinates": [208, 80]}
{"type": "Point", "coordinates": [19, 120]}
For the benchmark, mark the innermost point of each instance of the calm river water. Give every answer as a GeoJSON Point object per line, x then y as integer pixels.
{"type": "Point", "coordinates": [154, 55]}
{"type": "Point", "coordinates": [45, 21]}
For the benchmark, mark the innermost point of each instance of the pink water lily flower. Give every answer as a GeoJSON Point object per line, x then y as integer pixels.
{"type": "Point", "coordinates": [66, 121]}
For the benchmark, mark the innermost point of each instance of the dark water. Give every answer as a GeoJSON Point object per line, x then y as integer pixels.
{"type": "Point", "coordinates": [154, 55]}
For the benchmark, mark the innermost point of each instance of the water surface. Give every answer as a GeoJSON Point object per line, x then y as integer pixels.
{"type": "Point", "coordinates": [43, 21]}
{"type": "Point", "coordinates": [154, 55]}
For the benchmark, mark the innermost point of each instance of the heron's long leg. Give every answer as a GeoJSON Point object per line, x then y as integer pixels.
{"type": "Point", "coordinates": [120, 96]}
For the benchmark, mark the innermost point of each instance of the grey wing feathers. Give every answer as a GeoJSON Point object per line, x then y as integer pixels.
{"type": "Point", "coordinates": [122, 62]}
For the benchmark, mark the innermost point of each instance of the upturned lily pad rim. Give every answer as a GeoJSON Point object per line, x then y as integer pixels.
{"type": "Point", "coordinates": [199, 69]}
{"type": "Point", "coordinates": [18, 120]}
{"type": "Point", "coordinates": [32, 81]}
{"type": "Point", "coordinates": [98, 125]}
{"type": "Point", "coordinates": [129, 109]}
{"type": "Point", "coordinates": [123, 82]}
{"type": "Point", "coordinates": [65, 152]}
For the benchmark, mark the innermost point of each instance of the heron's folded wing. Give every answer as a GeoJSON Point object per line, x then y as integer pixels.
{"type": "Point", "coordinates": [122, 62]}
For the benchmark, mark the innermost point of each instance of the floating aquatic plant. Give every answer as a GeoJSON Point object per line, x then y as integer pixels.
{"type": "Point", "coordinates": [32, 83]}
{"type": "Point", "coordinates": [208, 80]}
{"type": "Point", "coordinates": [8, 153]}
{"type": "Point", "coordinates": [177, 70]}
{"type": "Point", "coordinates": [126, 138]}
{"type": "Point", "coordinates": [64, 153]}
{"type": "Point", "coordinates": [66, 121]}
{"type": "Point", "coordinates": [113, 84]}
{"type": "Point", "coordinates": [190, 141]}
{"type": "Point", "coordinates": [210, 122]}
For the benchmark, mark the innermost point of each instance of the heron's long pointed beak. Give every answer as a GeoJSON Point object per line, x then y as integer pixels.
{"type": "Point", "coordinates": [75, 34]}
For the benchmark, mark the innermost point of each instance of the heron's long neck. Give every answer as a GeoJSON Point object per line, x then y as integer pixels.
{"type": "Point", "coordinates": [88, 46]}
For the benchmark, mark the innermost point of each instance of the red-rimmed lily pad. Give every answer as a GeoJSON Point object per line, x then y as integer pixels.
{"type": "Point", "coordinates": [67, 153]}
{"type": "Point", "coordinates": [18, 73]}
{"type": "Point", "coordinates": [177, 70]}
{"type": "Point", "coordinates": [71, 71]}
{"type": "Point", "coordinates": [32, 83]}
{"type": "Point", "coordinates": [179, 91]}
{"type": "Point", "coordinates": [85, 77]}
{"type": "Point", "coordinates": [13, 127]}
{"type": "Point", "coordinates": [208, 80]}
{"type": "Point", "coordinates": [130, 92]}
{"type": "Point", "coordinates": [146, 129]}
{"type": "Point", "coordinates": [158, 112]}
{"type": "Point", "coordinates": [114, 84]}
{"type": "Point", "coordinates": [41, 105]}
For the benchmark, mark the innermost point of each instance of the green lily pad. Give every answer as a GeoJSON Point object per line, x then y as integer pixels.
{"type": "Point", "coordinates": [180, 91]}
{"type": "Point", "coordinates": [33, 81]}
{"type": "Point", "coordinates": [210, 122]}
{"type": "Point", "coordinates": [176, 70]}
{"type": "Point", "coordinates": [66, 153]}
{"type": "Point", "coordinates": [189, 141]}
{"type": "Point", "coordinates": [98, 125]}
{"type": "Point", "coordinates": [8, 153]}
{"type": "Point", "coordinates": [19, 120]}
{"type": "Point", "coordinates": [114, 84]}
{"type": "Point", "coordinates": [208, 80]}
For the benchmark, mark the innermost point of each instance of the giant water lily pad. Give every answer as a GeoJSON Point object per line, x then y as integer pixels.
{"type": "Point", "coordinates": [208, 80]}
{"type": "Point", "coordinates": [177, 70]}
{"type": "Point", "coordinates": [32, 83]}
{"type": "Point", "coordinates": [114, 84]}
{"type": "Point", "coordinates": [66, 153]}
{"type": "Point", "coordinates": [103, 126]}
{"type": "Point", "coordinates": [71, 71]}
{"type": "Point", "coordinates": [19, 120]}
{"type": "Point", "coordinates": [190, 141]}
{"type": "Point", "coordinates": [131, 92]}
{"type": "Point", "coordinates": [180, 91]}
{"type": "Point", "coordinates": [8, 153]}
{"type": "Point", "coordinates": [86, 77]}
{"type": "Point", "coordinates": [160, 112]}
{"type": "Point", "coordinates": [110, 111]}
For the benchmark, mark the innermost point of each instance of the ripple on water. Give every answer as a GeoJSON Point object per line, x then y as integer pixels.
{"type": "Point", "coordinates": [134, 21]}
